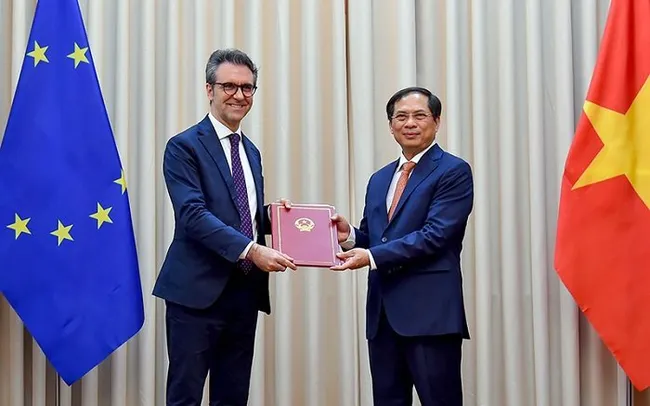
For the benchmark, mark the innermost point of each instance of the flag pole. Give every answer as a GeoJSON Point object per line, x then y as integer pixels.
{"type": "Point", "coordinates": [57, 391]}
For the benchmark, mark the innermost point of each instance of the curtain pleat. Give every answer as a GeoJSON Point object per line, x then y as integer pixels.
{"type": "Point", "coordinates": [512, 77]}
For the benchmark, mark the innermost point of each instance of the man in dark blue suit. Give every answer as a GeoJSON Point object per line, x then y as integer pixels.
{"type": "Point", "coordinates": [411, 235]}
{"type": "Point", "coordinates": [214, 279]}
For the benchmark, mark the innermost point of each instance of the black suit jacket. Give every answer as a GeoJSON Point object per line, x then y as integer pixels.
{"type": "Point", "coordinates": [207, 242]}
{"type": "Point", "coordinates": [418, 278]}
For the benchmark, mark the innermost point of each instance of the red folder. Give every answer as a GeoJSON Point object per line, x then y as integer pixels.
{"type": "Point", "coordinates": [306, 233]}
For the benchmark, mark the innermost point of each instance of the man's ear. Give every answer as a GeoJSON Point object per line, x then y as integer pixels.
{"type": "Point", "coordinates": [209, 90]}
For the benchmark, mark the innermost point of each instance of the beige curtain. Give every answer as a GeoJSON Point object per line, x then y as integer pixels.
{"type": "Point", "coordinates": [512, 75]}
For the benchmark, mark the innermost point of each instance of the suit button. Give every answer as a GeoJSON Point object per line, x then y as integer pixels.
{"type": "Point", "coordinates": [384, 239]}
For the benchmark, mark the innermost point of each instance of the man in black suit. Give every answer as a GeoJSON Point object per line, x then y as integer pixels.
{"type": "Point", "coordinates": [214, 279]}
{"type": "Point", "coordinates": [411, 236]}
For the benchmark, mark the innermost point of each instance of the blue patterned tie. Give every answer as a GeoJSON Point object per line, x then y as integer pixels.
{"type": "Point", "coordinates": [241, 196]}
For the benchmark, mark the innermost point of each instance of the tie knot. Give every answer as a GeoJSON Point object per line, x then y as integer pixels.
{"type": "Point", "coordinates": [408, 166]}
{"type": "Point", "coordinates": [234, 139]}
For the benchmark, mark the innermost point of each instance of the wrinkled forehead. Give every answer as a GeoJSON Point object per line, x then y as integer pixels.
{"type": "Point", "coordinates": [231, 73]}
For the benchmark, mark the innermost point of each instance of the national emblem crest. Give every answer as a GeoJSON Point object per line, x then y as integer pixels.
{"type": "Point", "coordinates": [304, 224]}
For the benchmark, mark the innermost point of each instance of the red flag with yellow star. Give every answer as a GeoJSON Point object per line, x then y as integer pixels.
{"type": "Point", "coordinates": [603, 237]}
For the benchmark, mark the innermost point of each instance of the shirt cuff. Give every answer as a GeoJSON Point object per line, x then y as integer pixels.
{"type": "Point", "coordinates": [245, 251]}
{"type": "Point", "coordinates": [350, 242]}
{"type": "Point", "coordinates": [373, 266]}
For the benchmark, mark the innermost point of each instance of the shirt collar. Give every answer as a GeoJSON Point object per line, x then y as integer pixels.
{"type": "Point", "coordinates": [416, 158]}
{"type": "Point", "coordinates": [221, 130]}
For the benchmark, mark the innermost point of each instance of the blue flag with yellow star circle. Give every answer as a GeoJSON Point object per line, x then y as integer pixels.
{"type": "Point", "coordinates": [68, 261]}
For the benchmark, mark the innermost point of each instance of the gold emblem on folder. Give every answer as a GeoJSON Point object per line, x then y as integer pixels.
{"type": "Point", "coordinates": [304, 224]}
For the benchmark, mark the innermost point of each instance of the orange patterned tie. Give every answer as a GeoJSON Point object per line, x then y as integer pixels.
{"type": "Point", "coordinates": [401, 184]}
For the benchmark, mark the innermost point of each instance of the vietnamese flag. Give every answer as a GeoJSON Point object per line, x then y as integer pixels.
{"type": "Point", "coordinates": [603, 238]}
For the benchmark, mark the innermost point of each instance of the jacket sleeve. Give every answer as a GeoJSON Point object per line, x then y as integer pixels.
{"type": "Point", "coordinates": [361, 239]}
{"type": "Point", "coordinates": [183, 182]}
{"type": "Point", "coordinates": [361, 234]}
{"type": "Point", "coordinates": [447, 217]}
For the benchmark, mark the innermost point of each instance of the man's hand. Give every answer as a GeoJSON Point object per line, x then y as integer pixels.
{"type": "Point", "coordinates": [342, 227]}
{"type": "Point", "coordinates": [285, 202]}
{"type": "Point", "coordinates": [270, 260]}
{"type": "Point", "coordinates": [354, 259]}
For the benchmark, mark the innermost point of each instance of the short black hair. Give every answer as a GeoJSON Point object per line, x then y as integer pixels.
{"type": "Point", "coordinates": [231, 55]}
{"type": "Point", "coordinates": [435, 106]}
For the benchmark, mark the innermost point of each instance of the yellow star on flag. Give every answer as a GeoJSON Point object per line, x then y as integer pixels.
{"type": "Point", "coordinates": [62, 232]}
{"type": "Point", "coordinates": [102, 215]}
{"type": "Point", "coordinates": [79, 55]}
{"type": "Point", "coordinates": [121, 181]}
{"type": "Point", "coordinates": [626, 149]}
{"type": "Point", "coordinates": [38, 54]}
{"type": "Point", "coordinates": [19, 226]}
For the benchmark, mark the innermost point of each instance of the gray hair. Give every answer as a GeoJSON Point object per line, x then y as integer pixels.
{"type": "Point", "coordinates": [234, 56]}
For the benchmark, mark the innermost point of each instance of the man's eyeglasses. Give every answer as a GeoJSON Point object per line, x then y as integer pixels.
{"type": "Point", "coordinates": [402, 117]}
{"type": "Point", "coordinates": [231, 88]}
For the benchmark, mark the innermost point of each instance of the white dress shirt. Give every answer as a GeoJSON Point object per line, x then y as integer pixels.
{"type": "Point", "coordinates": [223, 133]}
{"type": "Point", "coordinates": [350, 242]}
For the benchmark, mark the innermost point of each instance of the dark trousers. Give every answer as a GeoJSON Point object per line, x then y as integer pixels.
{"type": "Point", "coordinates": [219, 339]}
{"type": "Point", "coordinates": [431, 363]}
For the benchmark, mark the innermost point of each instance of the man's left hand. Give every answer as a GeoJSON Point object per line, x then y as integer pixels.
{"type": "Point", "coordinates": [354, 259]}
{"type": "Point", "coordinates": [285, 202]}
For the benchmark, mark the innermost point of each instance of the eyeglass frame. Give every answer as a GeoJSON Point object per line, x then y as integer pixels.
{"type": "Point", "coordinates": [236, 88]}
{"type": "Point", "coordinates": [423, 116]}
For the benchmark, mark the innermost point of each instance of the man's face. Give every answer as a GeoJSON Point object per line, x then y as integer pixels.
{"type": "Point", "coordinates": [412, 125]}
{"type": "Point", "coordinates": [229, 108]}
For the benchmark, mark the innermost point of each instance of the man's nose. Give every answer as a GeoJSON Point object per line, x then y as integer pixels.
{"type": "Point", "coordinates": [410, 122]}
{"type": "Point", "coordinates": [239, 94]}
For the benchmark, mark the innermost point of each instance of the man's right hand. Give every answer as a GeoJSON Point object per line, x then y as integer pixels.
{"type": "Point", "coordinates": [269, 260]}
{"type": "Point", "coordinates": [342, 227]}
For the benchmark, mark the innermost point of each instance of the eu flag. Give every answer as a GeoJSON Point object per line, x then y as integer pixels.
{"type": "Point", "coordinates": [68, 263]}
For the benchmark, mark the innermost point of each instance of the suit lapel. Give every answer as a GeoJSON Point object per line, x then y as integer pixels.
{"type": "Point", "coordinates": [384, 178]}
{"type": "Point", "coordinates": [256, 169]}
{"type": "Point", "coordinates": [211, 142]}
{"type": "Point", "coordinates": [425, 166]}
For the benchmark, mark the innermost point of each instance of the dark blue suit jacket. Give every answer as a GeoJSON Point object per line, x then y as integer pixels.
{"type": "Point", "coordinates": [418, 278]}
{"type": "Point", "coordinates": [207, 241]}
